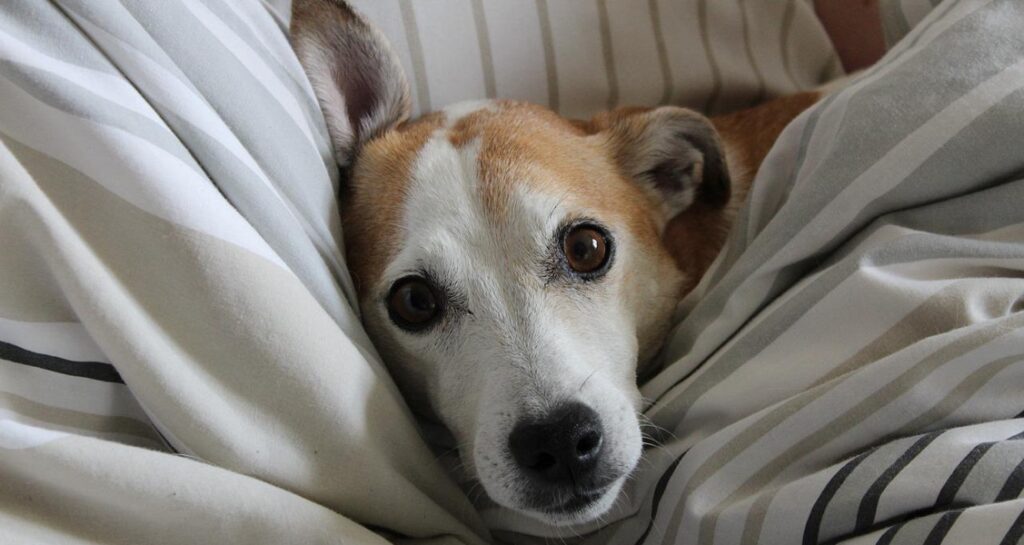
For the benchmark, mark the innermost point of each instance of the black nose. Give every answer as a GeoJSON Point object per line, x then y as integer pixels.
{"type": "Point", "coordinates": [562, 448]}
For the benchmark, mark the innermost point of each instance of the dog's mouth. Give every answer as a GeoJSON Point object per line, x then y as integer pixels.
{"type": "Point", "coordinates": [575, 507]}
{"type": "Point", "coordinates": [577, 503]}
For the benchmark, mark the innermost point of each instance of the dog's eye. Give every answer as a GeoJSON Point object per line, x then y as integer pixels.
{"type": "Point", "coordinates": [586, 248]}
{"type": "Point", "coordinates": [413, 304]}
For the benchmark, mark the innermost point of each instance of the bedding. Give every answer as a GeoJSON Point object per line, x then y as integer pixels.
{"type": "Point", "coordinates": [578, 58]}
{"type": "Point", "coordinates": [181, 361]}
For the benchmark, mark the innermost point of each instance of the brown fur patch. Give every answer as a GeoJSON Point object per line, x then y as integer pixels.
{"type": "Point", "coordinates": [374, 202]}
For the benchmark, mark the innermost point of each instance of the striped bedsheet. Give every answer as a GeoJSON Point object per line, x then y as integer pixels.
{"type": "Point", "coordinates": [581, 57]}
{"type": "Point", "coordinates": [180, 361]}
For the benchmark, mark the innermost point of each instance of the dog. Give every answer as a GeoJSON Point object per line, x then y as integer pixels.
{"type": "Point", "coordinates": [516, 269]}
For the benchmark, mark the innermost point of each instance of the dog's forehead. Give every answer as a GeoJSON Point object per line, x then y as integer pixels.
{"type": "Point", "coordinates": [476, 175]}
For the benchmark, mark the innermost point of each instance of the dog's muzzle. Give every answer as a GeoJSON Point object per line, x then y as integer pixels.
{"type": "Point", "coordinates": [560, 454]}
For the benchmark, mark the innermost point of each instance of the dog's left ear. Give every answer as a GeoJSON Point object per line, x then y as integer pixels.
{"type": "Point", "coordinates": [674, 154]}
{"type": "Point", "coordinates": [356, 76]}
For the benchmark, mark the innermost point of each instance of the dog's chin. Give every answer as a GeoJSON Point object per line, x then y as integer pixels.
{"type": "Point", "coordinates": [577, 509]}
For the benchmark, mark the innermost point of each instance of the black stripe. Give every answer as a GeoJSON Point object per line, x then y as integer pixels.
{"type": "Point", "coordinates": [869, 503]}
{"type": "Point", "coordinates": [1014, 484]}
{"type": "Point", "coordinates": [959, 475]}
{"type": "Point", "coordinates": [941, 528]}
{"type": "Point", "coordinates": [1016, 532]}
{"type": "Point", "coordinates": [163, 438]}
{"type": "Point", "coordinates": [813, 526]}
{"type": "Point", "coordinates": [956, 479]}
{"type": "Point", "coordinates": [889, 535]}
{"type": "Point", "coordinates": [86, 369]}
{"type": "Point", "coordinates": [659, 489]}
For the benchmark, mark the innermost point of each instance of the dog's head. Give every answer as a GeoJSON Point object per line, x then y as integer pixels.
{"type": "Point", "coordinates": [509, 262]}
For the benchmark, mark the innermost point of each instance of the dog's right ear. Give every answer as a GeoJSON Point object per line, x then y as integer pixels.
{"type": "Point", "coordinates": [674, 154]}
{"type": "Point", "coordinates": [356, 76]}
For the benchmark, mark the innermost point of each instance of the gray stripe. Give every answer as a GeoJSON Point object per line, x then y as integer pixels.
{"type": "Point", "coordinates": [946, 310]}
{"type": "Point", "coordinates": [663, 63]}
{"type": "Point", "coordinates": [705, 40]}
{"type": "Point", "coordinates": [607, 49]}
{"type": "Point", "coordinates": [116, 22]}
{"type": "Point", "coordinates": [960, 395]}
{"type": "Point", "coordinates": [755, 518]}
{"type": "Point", "coordinates": [60, 41]}
{"type": "Point", "coordinates": [419, 65]}
{"type": "Point", "coordinates": [66, 96]}
{"type": "Point", "coordinates": [288, 78]}
{"type": "Point", "coordinates": [784, 33]}
{"type": "Point", "coordinates": [894, 21]}
{"type": "Point", "coordinates": [483, 37]}
{"type": "Point", "coordinates": [749, 50]}
{"type": "Point", "coordinates": [85, 422]}
{"type": "Point", "coordinates": [547, 41]}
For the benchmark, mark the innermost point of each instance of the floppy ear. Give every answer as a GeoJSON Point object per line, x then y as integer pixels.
{"type": "Point", "coordinates": [675, 155]}
{"type": "Point", "coordinates": [355, 75]}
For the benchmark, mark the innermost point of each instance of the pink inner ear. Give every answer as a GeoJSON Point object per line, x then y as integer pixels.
{"type": "Point", "coordinates": [357, 78]}
{"type": "Point", "coordinates": [359, 88]}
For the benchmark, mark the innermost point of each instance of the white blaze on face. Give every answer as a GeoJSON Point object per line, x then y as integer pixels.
{"type": "Point", "coordinates": [513, 343]}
